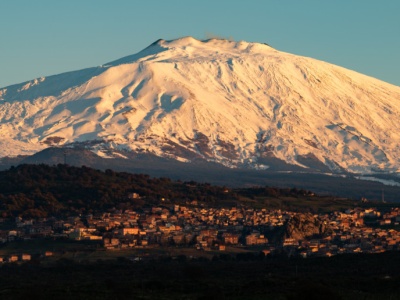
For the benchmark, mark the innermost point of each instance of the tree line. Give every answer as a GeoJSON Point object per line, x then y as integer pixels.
{"type": "Point", "coordinates": [43, 190]}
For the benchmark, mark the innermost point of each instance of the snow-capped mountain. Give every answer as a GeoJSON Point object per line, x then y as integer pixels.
{"type": "Point", "coordinates": [236, 103]}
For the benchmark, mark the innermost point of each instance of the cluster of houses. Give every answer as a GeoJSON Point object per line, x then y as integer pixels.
{"type": "Point", "coordinates": [199, 227]}
{"type": "Point", "coordinates": [355, 231]}
{"type": "Point", "coordinates": [352, 231]}
{"type": "Point", "coordinates": [23, 257]}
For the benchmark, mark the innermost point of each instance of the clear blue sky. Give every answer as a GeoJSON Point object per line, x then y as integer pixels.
{"type": "Point", "coordinates": [47, 37]}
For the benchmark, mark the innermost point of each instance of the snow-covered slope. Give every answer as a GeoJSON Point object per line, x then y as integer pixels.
{"type": "Point", "coordinates": [236, 103]}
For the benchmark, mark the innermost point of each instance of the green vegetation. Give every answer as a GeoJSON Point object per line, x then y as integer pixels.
{"type": "Point", "coordinates": [42, 191]}
{"type": "Point", "coordinates": [62, 190]}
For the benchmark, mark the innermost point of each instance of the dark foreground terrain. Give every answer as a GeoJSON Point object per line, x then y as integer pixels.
{"type": "Point", "coordinates": [223, 277]}
{"type": "Point", "coordinates": [83, 272]}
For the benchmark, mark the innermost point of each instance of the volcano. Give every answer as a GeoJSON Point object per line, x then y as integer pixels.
{"type": "Point", "coordinates": [236, 104]}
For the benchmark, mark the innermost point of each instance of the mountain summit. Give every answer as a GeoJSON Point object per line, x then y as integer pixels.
{"type": "Point", "coordinates": [239, 104]}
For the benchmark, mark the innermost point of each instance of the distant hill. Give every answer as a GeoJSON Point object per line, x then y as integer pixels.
{"type": "Point", "coordinates": [339, 185]}
{"type": "Point", "coordinates": [42, 190]}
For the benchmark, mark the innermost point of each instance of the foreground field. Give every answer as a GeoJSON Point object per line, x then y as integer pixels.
{"type": "Point", "coordinates": [223, 277]}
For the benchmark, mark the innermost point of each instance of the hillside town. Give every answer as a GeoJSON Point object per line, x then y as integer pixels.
{"type": "Point", "coordinates": [358, 230]}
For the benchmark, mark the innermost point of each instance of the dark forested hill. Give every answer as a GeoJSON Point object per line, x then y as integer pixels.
{"type": "Point", "coordinates": [42, 190]}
